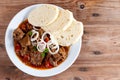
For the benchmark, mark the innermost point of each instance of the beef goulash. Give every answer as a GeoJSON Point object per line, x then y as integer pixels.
{"type": "Point", "coordinates": [43, 40]}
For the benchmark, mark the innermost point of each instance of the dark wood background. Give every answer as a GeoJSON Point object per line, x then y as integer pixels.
{"type": "Point", "coordinates": [99, 58]}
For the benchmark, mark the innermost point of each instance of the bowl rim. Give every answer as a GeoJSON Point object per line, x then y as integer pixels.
{"type": "Point", "coordinates": [18, 18]}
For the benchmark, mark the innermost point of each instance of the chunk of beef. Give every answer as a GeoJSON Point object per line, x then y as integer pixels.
{"type": "Point", "coordinates": [18, 34]}
{"type": "Point", "coordinates": [25, 41]}
{"type": "Point", "coordinates": [29, 26]}
{"type": "Point", "coordinates": [56, 57]}
{"type": "Point", "coordinates": [52, 62]}
{"type": "Point", "coordinates": [36, 58]}
{"type": "Point", "coordinates": [63, 53]}
{"type": "Point", "coordinates": [48, 55]}
{"type": "Point", "coordinates": [23, 51]}
{"type": "Point", "coordinates": [30, 48]}
{"type": "Point", "coordinates": [25, 27]}
{"type": "Point", "coordinates": [59, 57]}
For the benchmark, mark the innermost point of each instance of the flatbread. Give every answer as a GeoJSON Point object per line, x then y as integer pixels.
{"type": "Point", "coordinates": [63, 21]}
{"type": "Point", "coordinates": [43, 15]}
{"type": "Point", "coordinates": [71, 35]}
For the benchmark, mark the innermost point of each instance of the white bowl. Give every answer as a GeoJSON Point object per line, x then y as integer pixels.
{"type": "Point", "coordinates": [17, 19]}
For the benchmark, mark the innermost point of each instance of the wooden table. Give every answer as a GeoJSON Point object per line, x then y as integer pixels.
{"type": "Point", "coordinates": [99, 58]}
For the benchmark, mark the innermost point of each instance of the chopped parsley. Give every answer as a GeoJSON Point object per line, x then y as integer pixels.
{"type": "Point", "coordinates": [44, 52]}
{"type": "Point", "coordinates": [30, 33]}
{"type": "Point", "coordinates": [43, 55]}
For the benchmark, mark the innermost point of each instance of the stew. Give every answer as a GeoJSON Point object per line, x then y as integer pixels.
{"type": "Point", "coordinates": [33, 55]}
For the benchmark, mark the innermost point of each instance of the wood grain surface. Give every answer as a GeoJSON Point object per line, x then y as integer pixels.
{"type": "Point", "coordinates": [99, 58]}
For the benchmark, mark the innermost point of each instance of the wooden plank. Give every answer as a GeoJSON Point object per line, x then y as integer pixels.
{"type": "Point", "coordinates": [98, 12]}
{"type": "Point", "coordinates": [73, 73]}
{"type": "Point", "coordinates": [95, 12]}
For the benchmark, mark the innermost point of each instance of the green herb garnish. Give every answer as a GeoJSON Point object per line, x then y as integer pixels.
{"type": "Point", "coordinates": [30, 33]}
{"type": "Point", "coordinates": [35, 48]}
{"type": "Point", "coordinates": [43, 55]}
{"type": "Point", "coordinates": [44, 52]}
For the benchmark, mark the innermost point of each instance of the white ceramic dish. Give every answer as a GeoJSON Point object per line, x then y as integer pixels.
{"type": "Point", "coordinates": [17, 19]}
